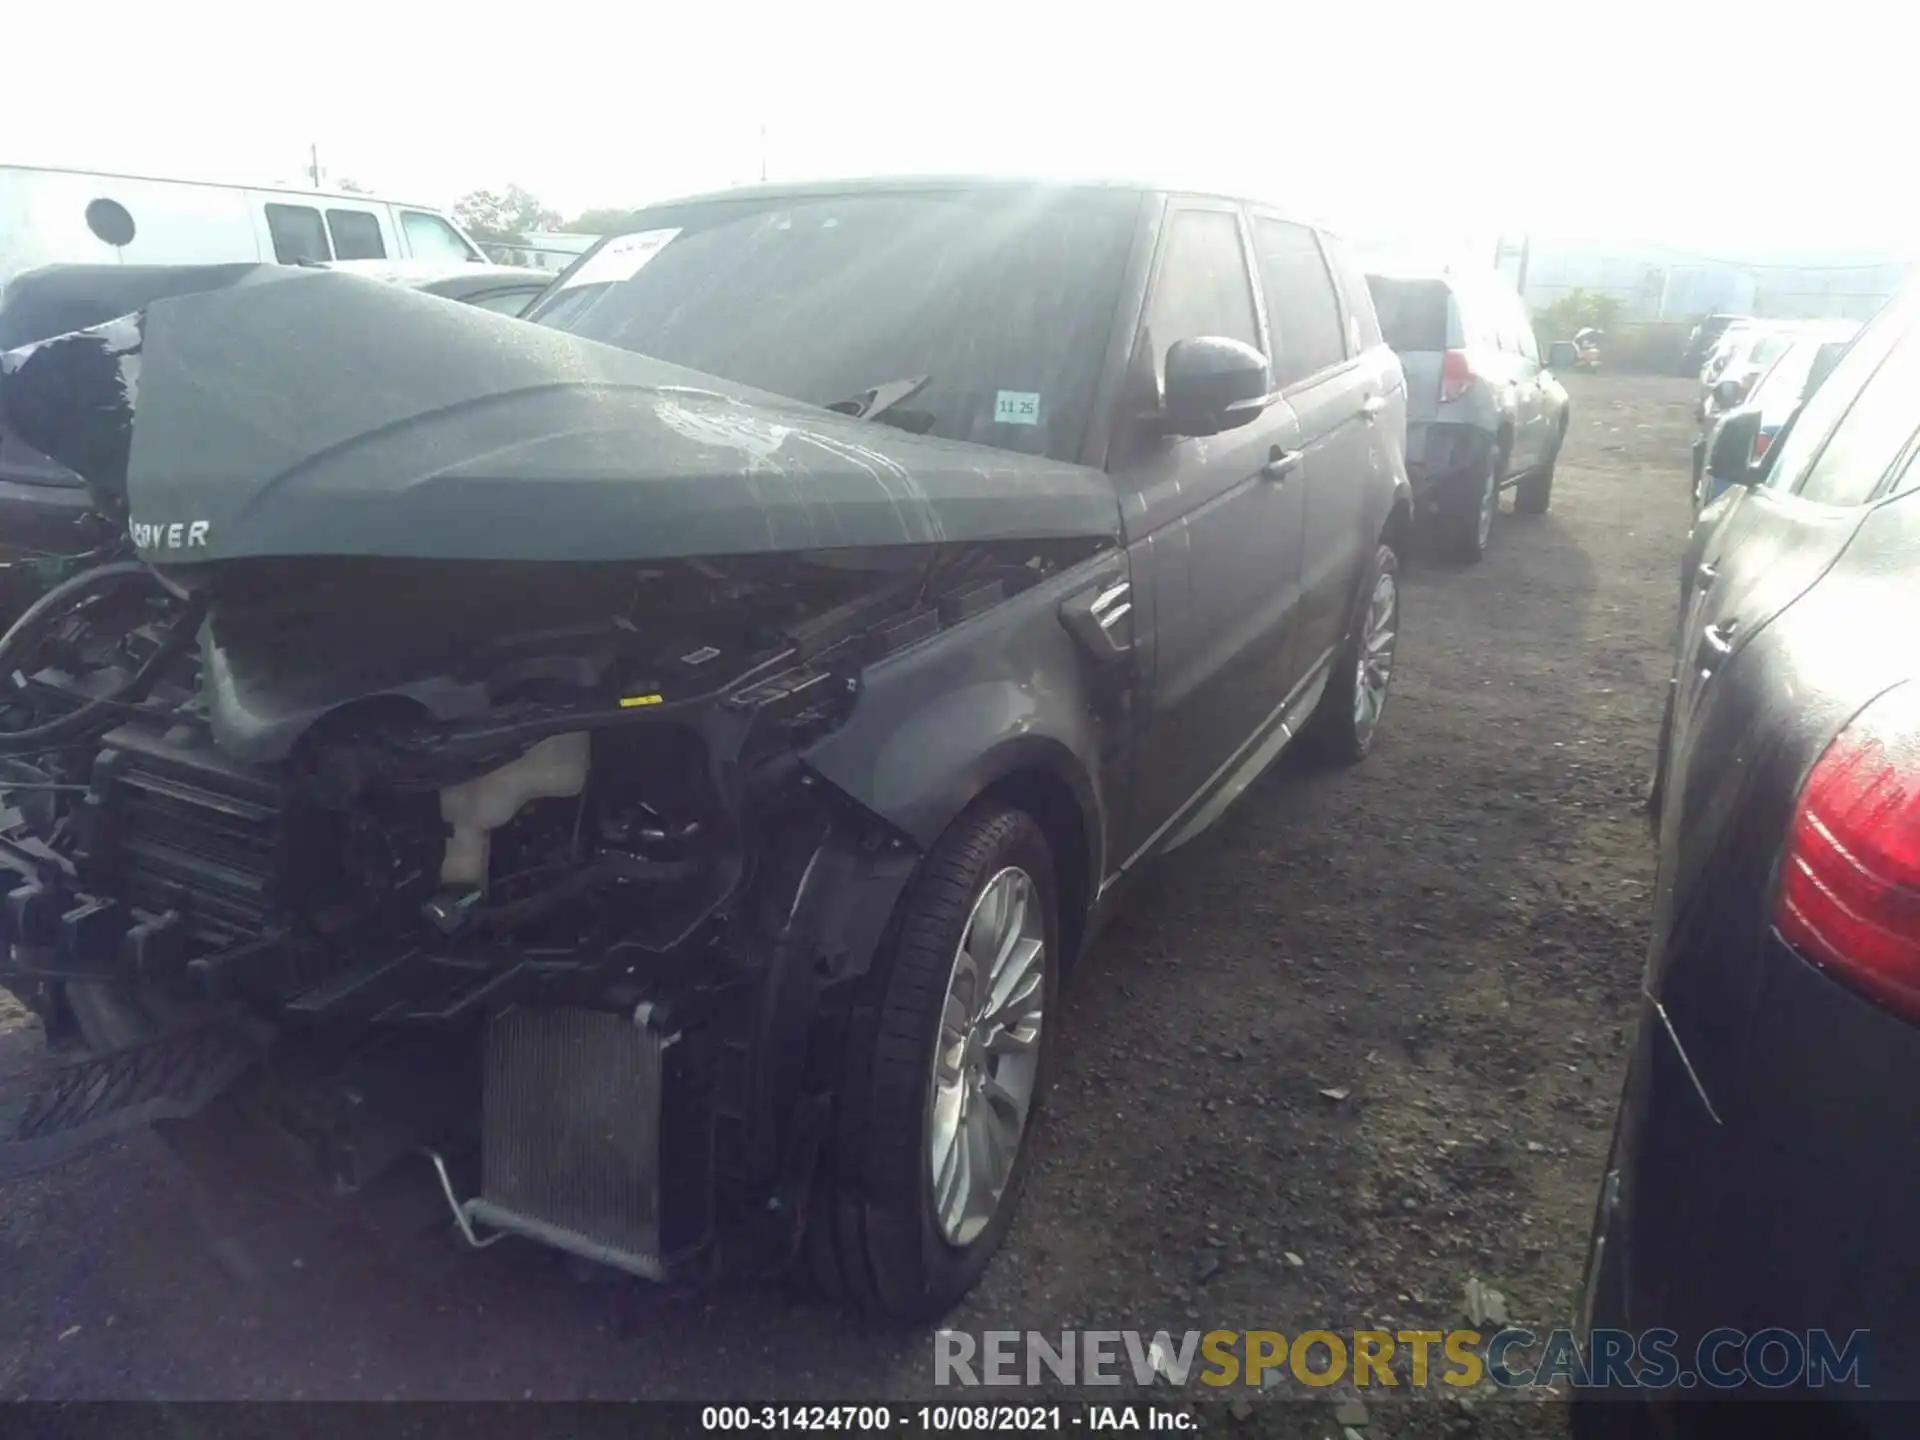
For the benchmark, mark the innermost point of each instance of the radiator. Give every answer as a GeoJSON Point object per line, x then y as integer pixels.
{"type": "Point", "coordinates": [572, 1132]}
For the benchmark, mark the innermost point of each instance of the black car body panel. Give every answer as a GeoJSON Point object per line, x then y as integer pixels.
{"type": "Point", "coordinates": [484, 690]}
{"type": "Point", "coordinates": [1760, 1174]}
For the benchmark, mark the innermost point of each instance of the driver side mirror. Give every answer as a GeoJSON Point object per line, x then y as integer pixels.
{"type": "Point", "coordinates": [1732, 457]}
{"type": "Point", "coordinates": [1213, 384]}
{"type": "Point", "coordinates": [1728, 393]}
{"type": "Point", "coordinates": [1563, 355]}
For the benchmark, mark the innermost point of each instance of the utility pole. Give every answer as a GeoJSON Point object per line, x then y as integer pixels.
{"type": "Point", "coordinates": [763, 152]}
{"type": "Point", "coordinates": [313, 164]}
{"type": "Point", "coordinates": [1526, 252]}
{"type": "Point", "coordinates": [1499, 250]}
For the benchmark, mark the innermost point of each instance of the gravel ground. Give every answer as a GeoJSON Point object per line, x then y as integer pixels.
{"type": "Point", "coordinates": [1359, 1044]}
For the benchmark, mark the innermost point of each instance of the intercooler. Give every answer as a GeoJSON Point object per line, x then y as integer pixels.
{"type": "Point", "coordinates": [595, 1138]}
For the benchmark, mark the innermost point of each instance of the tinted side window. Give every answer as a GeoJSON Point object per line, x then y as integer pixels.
{"type": "Point", "coordinates": [1301, 307]}
{"type": "Point", "coordinates": [356, 235]}
{"type": "Point", "coordinates": [1363, 324]}
{"type": "Point", "coordinates": [298, 234]}
{"type": "Point", "coordinates": [1871, 435]}
{"type": "Point", "coordinates": [1203, 287]}
{"type": "Point", "coordinates": [1806, 437]}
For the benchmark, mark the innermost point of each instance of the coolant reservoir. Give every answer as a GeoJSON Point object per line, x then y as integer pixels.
{"type": "Point", "coordinates": [473, 809]}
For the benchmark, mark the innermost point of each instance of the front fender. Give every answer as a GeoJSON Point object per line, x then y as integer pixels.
{"type": "Point", "coordinates": [1009, 691]}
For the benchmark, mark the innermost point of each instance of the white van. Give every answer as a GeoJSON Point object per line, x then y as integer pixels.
{"type": "Point", "coordinates": [50, 217]}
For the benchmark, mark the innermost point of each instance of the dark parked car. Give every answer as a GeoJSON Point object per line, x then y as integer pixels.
{"type": "Point", "coordinates": [1754, 422]}
{"type": "Point", "coordinates": [1761, 1175]}
{"type": "Point", "coordinates": [660, 759]}
{"type": "Point", "coordinates": [1483, 413]}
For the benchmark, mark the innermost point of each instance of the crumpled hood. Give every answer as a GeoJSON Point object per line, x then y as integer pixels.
{"type": "Point", "coordinates": [315, 413]}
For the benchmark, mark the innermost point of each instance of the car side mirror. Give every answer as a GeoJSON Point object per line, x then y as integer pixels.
{"type": "Point", "coordinates": [1563, 355]}
{"type": "Point", "coordinates": [1213, 384]}
{"type": "Point", "coordinates": [1728, 393]}
{"type": "Point", "coordinates": [1732, 457]}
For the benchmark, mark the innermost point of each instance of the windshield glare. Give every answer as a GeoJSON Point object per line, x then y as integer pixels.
{"type": "Point", "coordinates": [1004, 301]}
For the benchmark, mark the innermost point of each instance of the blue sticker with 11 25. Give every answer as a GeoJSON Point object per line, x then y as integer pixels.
{"type": "Point", "coordinates": [1017, 407]}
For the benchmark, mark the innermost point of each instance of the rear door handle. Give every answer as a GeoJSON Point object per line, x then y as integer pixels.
{"type": "Point", "coordinates": [1703, 577]}
{"type": "Point", "coordinates": [1718, 642]}
{"type": "Point", "coordinates": [1281, 463]}
{"type": "Point", "coordinates": [1372, 408]}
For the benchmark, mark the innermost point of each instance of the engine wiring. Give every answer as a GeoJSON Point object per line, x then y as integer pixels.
{"type": "Point", "coordinates": [99, 712]}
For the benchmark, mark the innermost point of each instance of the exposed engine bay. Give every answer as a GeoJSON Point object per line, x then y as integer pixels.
{"type": "Point", "coordinates": [586, 793]}
{"type": "Point", "coordinates": [504, 859]}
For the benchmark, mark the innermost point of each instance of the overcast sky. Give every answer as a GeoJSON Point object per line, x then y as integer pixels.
{"type": "Point", "coordinates": [1448, 121]}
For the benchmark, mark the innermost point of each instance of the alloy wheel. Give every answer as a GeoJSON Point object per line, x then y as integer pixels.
{"type": "Point", "coordinates": [987, 1057]}
{"type": "Point", "coordinates": [1489, 503]}
{"type": "Point", "coordinates": [1377, 636]}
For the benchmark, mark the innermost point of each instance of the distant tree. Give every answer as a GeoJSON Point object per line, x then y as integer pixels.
{"type": "Point", "coordinates": [354, 187]}
{"type": "Point", "coordinates": [604, 221]}
{"type": "Point", "coordinates": [1573, 312]}
{"type": "Point", "coordinates": [503, 216]}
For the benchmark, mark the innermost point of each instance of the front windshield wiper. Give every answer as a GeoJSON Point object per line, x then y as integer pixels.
{"type": "Point", "coordinates": [871, 404]}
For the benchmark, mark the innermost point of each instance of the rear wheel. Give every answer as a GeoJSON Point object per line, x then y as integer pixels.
{"type": "Point", "coordinates": [944, 1073]}
{"type": "Point", "coordinates": [1468, 523]}
{"type": "Point", "coordinates": [1349, 712]}
{"type": "Point", "coordinates": [1534, 494]}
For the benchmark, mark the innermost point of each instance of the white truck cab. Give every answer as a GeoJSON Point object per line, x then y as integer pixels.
{"type": "Point", "coordinates": [52, 217]}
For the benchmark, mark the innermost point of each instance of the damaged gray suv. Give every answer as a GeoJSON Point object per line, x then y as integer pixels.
{"type": "Point", "coordinates": [642, 773]}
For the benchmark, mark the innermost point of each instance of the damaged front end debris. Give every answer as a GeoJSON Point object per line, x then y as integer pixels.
{"type": "Point", "coordinates": [429, 771]}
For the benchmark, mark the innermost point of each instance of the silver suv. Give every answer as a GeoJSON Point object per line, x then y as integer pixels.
{"type": "Point", "coordinates": [1483, 413]}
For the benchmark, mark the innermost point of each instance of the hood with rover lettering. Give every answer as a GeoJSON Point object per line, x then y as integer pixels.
{"type": "Point", "coordinates": [310, 413]}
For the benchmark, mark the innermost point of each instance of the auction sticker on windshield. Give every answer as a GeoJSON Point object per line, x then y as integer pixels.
{"type": "Point", "coordinates": [1017, 407]}
{"type": "Point", "coordinates": [620, 258]}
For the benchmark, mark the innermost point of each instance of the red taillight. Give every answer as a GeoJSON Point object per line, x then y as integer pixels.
{"type": "Point", "coordinates": [1762, 442]}
{"type": "Point", "coordinates": [1850, 883]}
{"type": "Point", "coordinates": [1456, 376]}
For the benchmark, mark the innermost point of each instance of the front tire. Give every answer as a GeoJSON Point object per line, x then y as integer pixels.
{"type": "Point", "coordinates": [1344, 722]}
{"type": "Point", "coordinates": [945, 1069]}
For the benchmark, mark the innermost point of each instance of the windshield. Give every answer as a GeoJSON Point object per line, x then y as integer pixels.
{"type": "Point", "coordinates": [1003, 300]}
{"type": "Point", "coordinates": [1413, 313]}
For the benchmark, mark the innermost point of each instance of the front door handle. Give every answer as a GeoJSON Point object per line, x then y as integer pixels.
{"type": "Point", "coordinates": [1282, 463]}
{"type": "Point", "coordinates": [1372, 408]}
{"type": "Point", "coordinates": [1703, 577]}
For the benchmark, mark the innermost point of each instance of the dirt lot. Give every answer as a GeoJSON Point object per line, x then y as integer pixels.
{"type": "Point", "coordinates": [1356, 1046]}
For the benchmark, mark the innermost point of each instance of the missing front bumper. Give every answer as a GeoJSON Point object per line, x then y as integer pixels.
{"type": "Point", "coordinates": [55, 1114]}
{"type": "Point", "coordinates": [595, 1139]}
